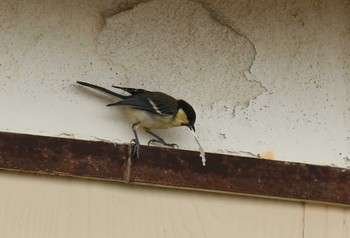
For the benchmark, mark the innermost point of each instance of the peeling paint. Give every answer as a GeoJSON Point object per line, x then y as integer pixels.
{"type": "Point", "coordinates": [163, 38]}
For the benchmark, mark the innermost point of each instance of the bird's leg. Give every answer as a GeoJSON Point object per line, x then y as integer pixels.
{"type": "Point", "coordinates": [135, 142]}
{"type": "Point", "coordinates": [160, 140]}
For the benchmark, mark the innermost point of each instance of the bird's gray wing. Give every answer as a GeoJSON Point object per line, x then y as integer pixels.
{"type": "Point", "coordinates": [159, 103]}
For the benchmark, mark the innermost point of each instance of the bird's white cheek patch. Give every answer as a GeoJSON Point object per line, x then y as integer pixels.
{"type": "Point", "coordinates": [202, 153]}
{"type": "Point", "coordinates": [181, 117]}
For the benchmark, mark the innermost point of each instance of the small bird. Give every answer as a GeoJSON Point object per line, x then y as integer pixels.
{"type": "Point", "coordinates": [150, 110]}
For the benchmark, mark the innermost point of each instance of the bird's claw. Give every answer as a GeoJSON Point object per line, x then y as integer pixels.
{"type": "Point", "coordinates": [172, 145]}
{"type": "Point", "coordinates": [152, 141]}
{"type": "Point", "coordinates": [136, 148]}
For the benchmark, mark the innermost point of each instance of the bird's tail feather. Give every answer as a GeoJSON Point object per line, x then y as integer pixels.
{"type": "Point", "coordinates": [101, 89]}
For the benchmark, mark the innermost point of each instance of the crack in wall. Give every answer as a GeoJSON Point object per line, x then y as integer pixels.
{"type": "Point", "coordinates": [303, 229]}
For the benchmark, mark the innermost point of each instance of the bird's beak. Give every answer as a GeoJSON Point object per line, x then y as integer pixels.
{"type": "Point", "coordinates": [192, 127]}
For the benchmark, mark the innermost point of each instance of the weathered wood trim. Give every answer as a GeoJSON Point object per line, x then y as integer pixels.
{"type": "Point", "coordinates": [174, 168]}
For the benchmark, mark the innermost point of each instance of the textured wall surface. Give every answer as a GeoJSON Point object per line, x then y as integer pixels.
{"type": "Point", "coordinates": [269, 79]}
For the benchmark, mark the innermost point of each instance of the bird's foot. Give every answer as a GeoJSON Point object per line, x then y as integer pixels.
{"type": "Point", "coordinates": [136, 148]}
{"type": "Point", "coordinates": [172, 145]}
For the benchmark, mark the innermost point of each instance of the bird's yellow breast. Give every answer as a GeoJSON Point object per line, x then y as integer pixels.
{"type": "Point", "coordinates": [152, 121]}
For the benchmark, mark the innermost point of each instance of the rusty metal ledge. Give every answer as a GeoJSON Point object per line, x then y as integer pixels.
{"type": "Point", "coordinates": [174, 168]}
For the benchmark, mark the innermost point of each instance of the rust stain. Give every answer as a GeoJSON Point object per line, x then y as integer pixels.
{"type": "Point", "coordinates": [268, 155]}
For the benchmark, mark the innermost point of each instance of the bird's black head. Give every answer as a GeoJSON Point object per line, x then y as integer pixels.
{"type": "Point", "coordinates": [190, 113]}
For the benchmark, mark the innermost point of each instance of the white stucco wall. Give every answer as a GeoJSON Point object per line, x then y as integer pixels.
{"type": "Point", "coordinates": [266, 78]}
{"type": "Point", "coordinates": [270, 79]}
